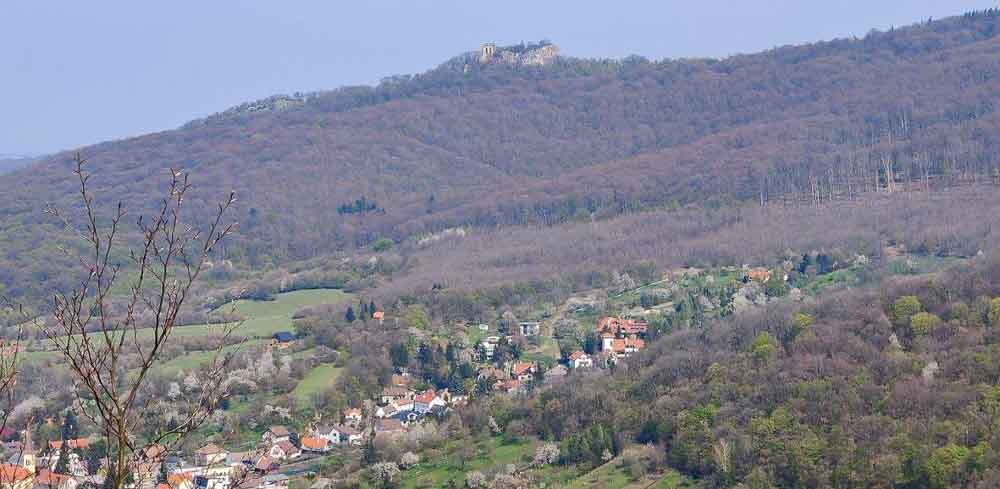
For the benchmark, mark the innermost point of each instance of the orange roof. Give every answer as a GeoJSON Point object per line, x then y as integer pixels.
{"type": "Point", "coordinates": [426, 396]}
{"type": "Point", "coordinates": [577, 355]}
{"type": "Point", "coordinates": [13, 473]}
{"type": "Point", "coordinates": [624, 326]}
{"type": "Point", "coordinates": [176, 479]}
{"type": "Point", "coordinates": [163, 485]}
{"type": "Point", "coordinates": [522, 367]}
{"type": "Point", "coordinates": [380, 315]}
{"type": "Point", "coordinates": [210, 449]}
{"type": "Point", "coordinates": [47, 477]}
{"type": "Point", "coordinates": [313, 443]}
{"type": "Point", "coordinates": [74, 444]}
{"type": "Point", "coordinates": [352, 412]}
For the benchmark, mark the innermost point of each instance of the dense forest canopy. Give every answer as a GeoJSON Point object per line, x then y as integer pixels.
{"type": "Point", "coordinates": [493, 146]}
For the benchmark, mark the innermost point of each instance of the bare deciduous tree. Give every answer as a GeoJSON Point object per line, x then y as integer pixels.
{"type": "Point", "coordinates": [112, 328]}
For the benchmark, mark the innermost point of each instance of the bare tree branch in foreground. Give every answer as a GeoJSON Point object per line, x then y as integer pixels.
{"type": "Point", "coordinates": [112, 328]}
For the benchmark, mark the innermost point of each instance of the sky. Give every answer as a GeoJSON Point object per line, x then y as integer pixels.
{"type": "Point", "coordinates": [76, 73]}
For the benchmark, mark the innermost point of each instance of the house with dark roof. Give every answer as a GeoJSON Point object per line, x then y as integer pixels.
{"type": "Point", "coordinates": [282, 339]}
{"type": "Point", "coordinates": [276, 434]}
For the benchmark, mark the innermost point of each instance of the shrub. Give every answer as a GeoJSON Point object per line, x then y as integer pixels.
{"type": "Point", "coordinates": [763, 347]}
{"type": "Point", "coordinates": [905, 307]}
{"type": "Point", "coordinates": [922, 323]}
{"type": "Point", "coordinates": [383, 244]}
{"type": "Point", "coordinates": [994, 312]}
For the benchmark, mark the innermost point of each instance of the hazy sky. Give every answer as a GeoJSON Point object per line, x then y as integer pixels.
{"type": "Point", "coordinates": [77, 72]}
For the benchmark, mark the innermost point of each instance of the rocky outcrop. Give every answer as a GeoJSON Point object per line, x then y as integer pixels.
{"type": "Point", "coordinates": [531, 55]}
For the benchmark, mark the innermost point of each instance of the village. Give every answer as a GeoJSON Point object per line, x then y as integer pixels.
{"type": "Point", "coordinates": [282, 451]}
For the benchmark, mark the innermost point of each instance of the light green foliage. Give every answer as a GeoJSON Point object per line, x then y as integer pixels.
{"type": "Point", "coordinates": [764, 346]}
{"type": "Point", "coordinates": [994, 313]}
{"type": "Point", "coordinates": [383, 244]}
{"type": "Point", "coordinates": [922, 323]}
{"type": "Point", "coordinates": [416, 316]}
{"type": "Point", "coordinates": [905, 307]}
{"type": "Point", "coordinates": [946, 465]}
{"type": "Point", "coordinates": [802, 322]}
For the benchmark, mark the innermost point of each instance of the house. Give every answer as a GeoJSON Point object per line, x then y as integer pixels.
{"type": "Point", "coordinates": [379, 316]}
{"type": "Point", "coordinates": [349, 436]}
{"type": "Point", "coordinates": [210, 455]}
{"type": "Point", "coordinates": [15, 477]}
{"type": "Point", "coordinates": [394, 394]}
{"type": "Point", "coordinates": [758, 274]}
{"type": "Point", "coordinates": [523, 371]}
{"type": "Point", "coordinates": [386, 411]}
{"type": "Point", "coordinates": [276, 434]}
{"type": "Point", "coordinates": [621, 328]}
{"type": "Point", "coordinates": [579, 359]}
{"type": "Point", "coordinates": [282, 339]}
{"type": "Point", "coordinates": [489, 346]}
{"type": "Point", "coordinates": [400, 380]}
{"type": "Point", "coordinates": [406, 418]}
{"type": "Point", "coordinates": [529, 328]}
{"type": "Point", "coordinates": [284, 450]}
{"type": "Point", "coordinates": [424, 401]}
{"type": "Point", "coordinates": [47, 479]}
{"type": "Point", "coordinates": [326, 432]}
{"type": "Point", "coordinates": [389, 427]}
{"type": "Point", "coordinates": [74, 444]}
{"type": "Point", "coordinates": [353, 416]}
{"type": "Point", "coordinates": [265, 464]}
{"type": "Point", "coordinates": [180, 481]}
{"type": "Point", "coordinates": [315, 444]}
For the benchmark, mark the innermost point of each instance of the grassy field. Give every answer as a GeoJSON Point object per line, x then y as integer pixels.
{"type": "Point", "coordinates": [264, 318]}
{"type": "Point", "coordinates": [193, 359]}
{"type": "Point", "coordinates": [318, 379]}
{"type": "Point", "coordinates": [448, 465]}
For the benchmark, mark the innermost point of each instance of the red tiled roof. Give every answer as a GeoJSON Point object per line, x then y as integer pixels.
{"type": "Point", "coordinates": [379, 315]}
{"type": "Point", "coordinates": [46, 477]}
{"type": "Point", "coordinates": [210, 449]}
{"type": "Point", "coordinates": [74, 444]}
{"type": "Point", "coordinates": [577, 355]}
{"type": "Point", "coordinates": [625, 326]}
{"type": "Point", "coordinates": [313, 443]}
{"type": "Point", "coordinates": [522, 367]}
{"type": "Point", "coordinates": [426, 397]}
{"type": "Point", "coordinates": [10, 474]}
{"type": "Point", "coordinates": [175, 480]}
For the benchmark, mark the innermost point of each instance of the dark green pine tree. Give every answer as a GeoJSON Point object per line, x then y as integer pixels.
{"type": "Point", "coordinates": [370, 454]}
{"type": "Point", "coordinates": [371, 308]}
{"type": "Point", "coordinates": [70, 427]}
{"type": "Point", "coordinates": [62, 466]}
{"type": "Point", "coordinates": [350, 314]}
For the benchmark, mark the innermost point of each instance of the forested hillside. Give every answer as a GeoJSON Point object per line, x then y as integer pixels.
{"type": "Point", "coordinates": [13, 163]}
{"type": "Point", "coordinates": [496, 146]}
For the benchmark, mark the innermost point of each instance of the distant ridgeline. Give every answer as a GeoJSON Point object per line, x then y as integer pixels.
{"type": "Point", "coordinates": [457, 71]}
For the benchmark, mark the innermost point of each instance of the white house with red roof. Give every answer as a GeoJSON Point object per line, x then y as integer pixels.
{"type": "Point", "coordinates": [580, 359]}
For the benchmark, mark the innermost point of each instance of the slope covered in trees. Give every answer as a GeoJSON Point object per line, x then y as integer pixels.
{"type": "Point", "coordinates": [493, 146]}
